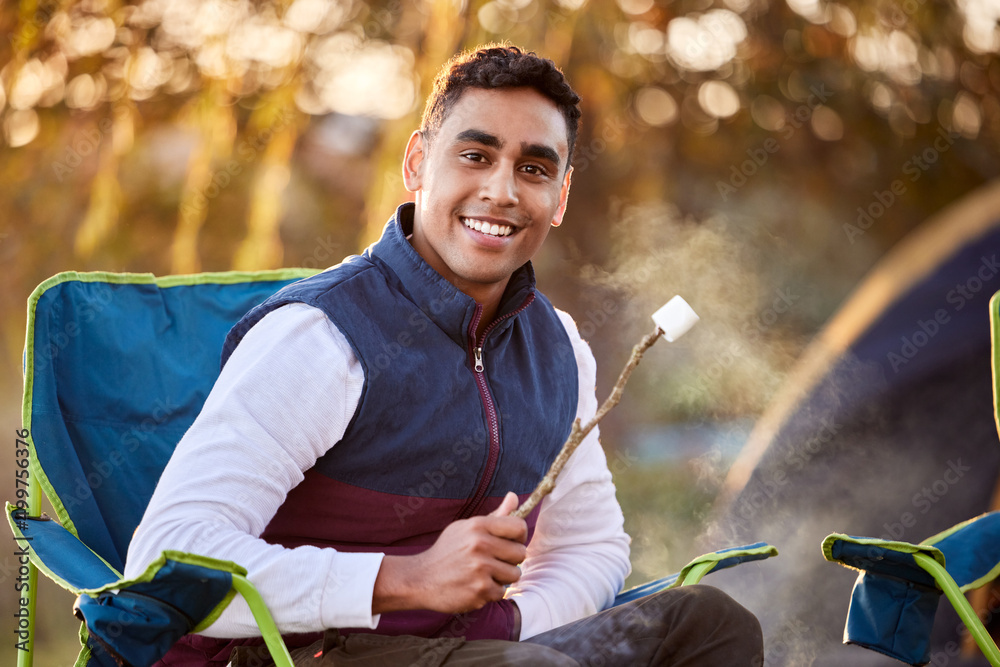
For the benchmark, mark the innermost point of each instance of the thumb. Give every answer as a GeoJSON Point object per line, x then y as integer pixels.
{"type": "Point", "coordinates": [507, 505]}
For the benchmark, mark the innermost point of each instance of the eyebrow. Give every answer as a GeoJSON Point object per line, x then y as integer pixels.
{"type": "Point", "coordinates": [480, 137]}
{"type": "Point", "coordinates": [539, 151]}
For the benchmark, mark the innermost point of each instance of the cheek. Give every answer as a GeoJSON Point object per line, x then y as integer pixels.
{"type": "Point", "coordinates": [448, 191]}
{"type": "Point", "coordinates": [539, 237]}
{"type": "Point", "coordinates": [546, 208]}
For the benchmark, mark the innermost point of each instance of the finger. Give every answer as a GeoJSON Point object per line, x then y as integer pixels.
{"type": "Point", "coordinates": [493, 593]}
{"type": "Point", "coordinates": [505, 575]}
{"type": "Point", "coordinates": [507, 527]}
{"type": "Point", "coordinates": [506, 551]}
{"type": "Point", "coordinates": [507, 505]}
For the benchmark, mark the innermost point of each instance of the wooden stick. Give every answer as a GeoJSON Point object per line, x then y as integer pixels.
{"type": "Point", "coordinates": [578, 433]}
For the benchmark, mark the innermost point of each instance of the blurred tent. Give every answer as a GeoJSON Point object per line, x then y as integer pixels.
{"type": "Point", "coordinates": [885, 427]}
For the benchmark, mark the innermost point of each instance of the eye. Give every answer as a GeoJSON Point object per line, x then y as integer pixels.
{"type": "Point", "coordinates": [534, 170]}
{"type": "Point", "coordinates": [473, 156]}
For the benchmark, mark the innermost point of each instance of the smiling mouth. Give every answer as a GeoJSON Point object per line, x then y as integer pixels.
{"type": "Point", "coordinates": [488, 228]}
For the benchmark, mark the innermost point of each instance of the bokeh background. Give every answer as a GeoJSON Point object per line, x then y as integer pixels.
{"type": "Point", "coordinates": [739, 152]}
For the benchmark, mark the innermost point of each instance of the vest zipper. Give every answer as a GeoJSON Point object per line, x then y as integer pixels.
{"type": "Point", "coordinates": [492, 423]}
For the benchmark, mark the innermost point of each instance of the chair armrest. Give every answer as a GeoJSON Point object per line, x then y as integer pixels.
{"type": "Point", "coordinates": [896, 595]}
{"type": "Point", "coordinates": [723, 559]}
{"type": "Point", "coordinates": [698, 568]}
{"type": "Point", "coordinates": [59, 553]}
{"type": "Point", "coordinates": [177, 593]}
{"type": "Point", "coordinates": [971, 550]}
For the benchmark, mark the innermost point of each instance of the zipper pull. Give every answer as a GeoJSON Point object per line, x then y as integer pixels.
{"type": "Point", "coordinates": [479, 359]}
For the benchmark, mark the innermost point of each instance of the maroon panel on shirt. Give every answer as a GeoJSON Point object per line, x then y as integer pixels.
{"type": "Point", "coordinates": [325, 512]}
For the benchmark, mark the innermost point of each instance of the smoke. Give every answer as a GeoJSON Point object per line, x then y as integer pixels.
{"type": "Point", "coordinates": [755, 309]}
{"type": "Point", "coordinates": [866, 451]}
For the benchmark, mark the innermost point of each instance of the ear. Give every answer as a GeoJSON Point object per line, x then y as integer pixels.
{"type": "Point", "coordinates": [563, 198]}
{"type": "Point", "coordinates": [413, 160]}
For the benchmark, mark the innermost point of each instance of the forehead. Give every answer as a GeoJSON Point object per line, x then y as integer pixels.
{"type": "Point", "coordinates": [514, 115]}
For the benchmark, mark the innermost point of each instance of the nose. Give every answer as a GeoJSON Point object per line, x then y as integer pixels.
{"type": "Point", "coordinates": [500, 186]}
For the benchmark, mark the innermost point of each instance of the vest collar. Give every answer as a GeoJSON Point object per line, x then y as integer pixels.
{"type": "Point", "coordinates": [449, 308]}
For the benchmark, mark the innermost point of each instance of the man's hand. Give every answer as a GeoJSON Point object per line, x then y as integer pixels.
{"type": "Point", "coordinates": [470, 564]}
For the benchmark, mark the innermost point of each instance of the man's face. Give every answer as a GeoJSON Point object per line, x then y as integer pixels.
{"type": "Point", "coordinates": [498, 162]}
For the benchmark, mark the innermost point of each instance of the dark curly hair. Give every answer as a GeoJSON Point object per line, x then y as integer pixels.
{"type": "Point", "coordinates": [500, 66]}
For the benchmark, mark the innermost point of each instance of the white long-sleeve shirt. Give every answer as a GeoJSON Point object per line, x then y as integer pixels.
{"type": "Point", "coordinates": [284, 398]}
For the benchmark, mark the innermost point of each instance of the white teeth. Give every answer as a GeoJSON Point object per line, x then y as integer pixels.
{"type": "Point", "coordinates": [487, 228]}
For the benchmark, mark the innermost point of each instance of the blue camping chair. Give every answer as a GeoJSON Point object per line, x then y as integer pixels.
{"type": "Point", "coordinates": [117, 367]}
{"type": "Point", "coordinates": [896, 594]}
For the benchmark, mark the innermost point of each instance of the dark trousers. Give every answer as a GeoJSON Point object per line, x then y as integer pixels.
{"type": "Point", "coordinates": [693, 626]}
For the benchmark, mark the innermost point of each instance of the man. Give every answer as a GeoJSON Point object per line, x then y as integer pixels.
{"type": "Point", "coordinates": [373, 427]}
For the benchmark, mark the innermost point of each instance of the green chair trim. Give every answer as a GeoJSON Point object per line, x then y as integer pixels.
{"type": "Point", "coordinates": [84, 656]}
{"type": "Point", "coordinates": [995, 356]}
{"type": "Point", "coordinates": [972, 585]}
{"type": "Point", "coordinates": [240, 584]}
{"type": "Point", "coordinates": [265, 623]}
{"type": "Point", "coordinates": [693, 572]}
{"type": "Point", "coordinates": [191, 559]}
{"type": "Point", "coordinates": [902, 547]}
{"type": "Point", "coordinates": [965, 611]}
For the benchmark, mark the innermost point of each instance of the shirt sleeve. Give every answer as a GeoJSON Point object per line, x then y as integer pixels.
{"type": "Point", "coordinates": [578, 557]}
{"type": "Point", "coordinates": [284, 398]}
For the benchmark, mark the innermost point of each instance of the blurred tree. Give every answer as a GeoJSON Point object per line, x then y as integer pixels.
{"type": "Point", "coordinates": [792, 142]}
{"type": "Point", "coordinates": [756, 155]}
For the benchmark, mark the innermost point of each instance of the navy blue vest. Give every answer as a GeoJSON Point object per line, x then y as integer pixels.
{"type": "Point", "coordinates": [433, 438]}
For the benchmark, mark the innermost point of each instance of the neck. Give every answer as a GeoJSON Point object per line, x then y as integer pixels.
{"type": "Point", "coordinates": [489, 298]}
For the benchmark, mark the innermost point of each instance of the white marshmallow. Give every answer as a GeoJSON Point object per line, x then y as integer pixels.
{"type": "Point", "coordinates": [675, 318]}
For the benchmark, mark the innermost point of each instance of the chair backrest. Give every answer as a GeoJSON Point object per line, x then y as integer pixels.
{"type": "Point", "coordinates": [117, 366]}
